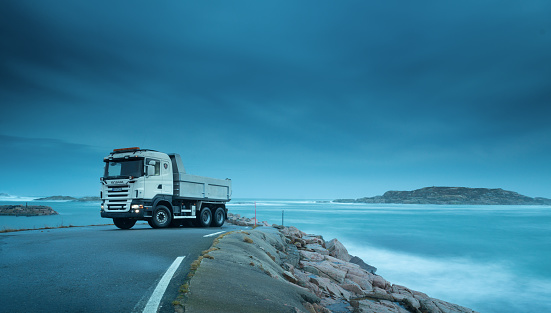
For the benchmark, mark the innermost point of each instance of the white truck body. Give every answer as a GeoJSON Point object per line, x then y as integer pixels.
{"type": "Point", "coordinates": [141, 184]}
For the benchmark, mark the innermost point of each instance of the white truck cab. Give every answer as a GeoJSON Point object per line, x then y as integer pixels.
{"type": "Point", "coordinates": [141, 184]}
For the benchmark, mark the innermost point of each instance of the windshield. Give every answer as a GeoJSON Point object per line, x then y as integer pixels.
{"type": "Point", "coordinates": [123, 168]}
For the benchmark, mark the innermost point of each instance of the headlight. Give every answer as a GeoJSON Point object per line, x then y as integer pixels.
{"type": "Point", "coordinates": [137, 206]}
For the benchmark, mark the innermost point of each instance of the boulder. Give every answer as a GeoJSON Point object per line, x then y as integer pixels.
{"type": "Point", "coordinates": [411, 303]}
{"type": "Point", "coordinates": [311, 269]}
{"type": "Point", "coordinates": [362, 281]}
{"type": "Point", "coordinates": [401, 290]}
{"type": "Point", "coordinates": [362, 264]}
{"type": "Point", "coordinates": [310, 256]}
{"type": "Point", "coordinates": [380, 282]}
{"type": "Point", "coordinates": [328, 270]}
{"type": "Point", "coordinates": [353, 288]}
{"type": "Point", "coordinates": [316, 248]}
{"type": "Point", "coordinates": [290, 277]}
{"type": "Point", "coordinates": [337, 249]}
{"type": "Point", "coordinates": [378, 293]}
{"type": "Point", "coordinates": [368, 306]}
{"type": "Point", "coordinates": [336, 261]}
{"type": "Point", "coordinates": [314, 239]}
{"type": "Point", "coordinates": [332, 289]}
{"type": "Point", "coordinates": [292, 231]}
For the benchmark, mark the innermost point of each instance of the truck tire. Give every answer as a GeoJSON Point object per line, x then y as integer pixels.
{"type": "Point", "coordinates": [161, 217]}
{"type": "Point", "coordinates": [205, 217]}
{"type": "Point", "coordinates": [124, 223]}
{"type": "Point", "coordinates": [219, 217]}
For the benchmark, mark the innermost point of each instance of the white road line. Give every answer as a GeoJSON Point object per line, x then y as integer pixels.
{"type": "Point", "coordinates": [153, 304]}
{"type": "Point", "coordinates": [213, 234]}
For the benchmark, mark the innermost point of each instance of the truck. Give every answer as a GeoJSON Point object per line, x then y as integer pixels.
{"type": "Point", "coordinates": [142, 184]}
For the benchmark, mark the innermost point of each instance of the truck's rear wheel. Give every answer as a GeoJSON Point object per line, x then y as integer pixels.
{"type": "Point", "coordinates": [205, 217]}
{"type": "Point", "coordinates": [124, 223]}
{"type": "Point", "coordinates": [219, 217]}
{"type": "Point", "coordinates": [161, 217]}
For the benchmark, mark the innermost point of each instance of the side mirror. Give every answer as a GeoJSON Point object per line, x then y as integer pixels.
{"type": "Point", "coordinates": [149, 170]}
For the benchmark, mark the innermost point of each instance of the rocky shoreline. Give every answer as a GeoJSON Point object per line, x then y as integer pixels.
{"type": "Point", "coordinates": [292, 271]}
{"type": "Point", "coordinates": [24, 210]}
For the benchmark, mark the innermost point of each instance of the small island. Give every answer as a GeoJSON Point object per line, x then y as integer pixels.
{"type": "Point", "coordinates": [25, 210]}
{"type": "Point", "coordinates": [452, 196]}
{"type": "Point", "coordinates": [68, 198]}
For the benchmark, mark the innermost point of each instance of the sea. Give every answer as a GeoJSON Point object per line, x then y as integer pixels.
{"type": "Point", "coordinates": [491, 258]}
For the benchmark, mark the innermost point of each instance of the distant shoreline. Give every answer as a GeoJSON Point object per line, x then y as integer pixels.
{"type": "Point", "coordinates": [68, 198]}
{"type": "Point", "coordinates": [452, 196]}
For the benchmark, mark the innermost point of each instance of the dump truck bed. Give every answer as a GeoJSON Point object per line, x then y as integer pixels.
{"type": "Point", "coordinates": [202, 188]}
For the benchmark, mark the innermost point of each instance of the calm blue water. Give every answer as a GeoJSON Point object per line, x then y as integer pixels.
{"type": "Point", "coordinates": [70, 213]}
{"type": "Point", "coordinates": [488, 258]}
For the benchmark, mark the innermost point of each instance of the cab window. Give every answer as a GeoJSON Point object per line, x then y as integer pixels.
{"type": "Point", "coordinates": [156, 164]}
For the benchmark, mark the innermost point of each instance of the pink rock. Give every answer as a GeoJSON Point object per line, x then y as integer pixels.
{"type": "Point", "coordinates": [333, 289]}
{"type": "Point", "coordinates": [316, 248]}
{"type": "Point", "coordinates": [311, 256]}
{"type": "Point", "coordinates": [321, 309]}
{"type": "Point", "coordinates": [411, 302]}
{"type": "Point", "coordinates": [329, 270]}
{"type": "Point", "coordinates": [290, 277]}
{"type": "Point", "coordinates": [354, 270]}
{"type": "Point", "coordinates": [379, 293]}
{"type": "Point", "coordinates": [334, 260]}
{"type": "Point", "coordinates": [337, 249]}
{"type": "Point", "coordinates": [419, 295]}
{"type": "Point", "coordinates": [292, 231]}
{"type": "Point", "coordinates": [314, 239]}
{"type": "Point", "coordinates": [353, 288]}
{"type": "Point", "coordinates": [380, 282]}
{"type": "Point", "coordinates": [302, 278]}
{"type": "Point", "coordinates": [362, 281]}
{"type": "Point", "coordinates": [383, 306]}
{"type": "Point", "coordinates": [401, 290]}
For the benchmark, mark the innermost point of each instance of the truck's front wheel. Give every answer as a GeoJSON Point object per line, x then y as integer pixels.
{"type": "Point", "coordinates": [205, 217]}
{"type": "Point", "coordinates": [161, 217]}
{"type": "Point", "coordinates": [124, 223]}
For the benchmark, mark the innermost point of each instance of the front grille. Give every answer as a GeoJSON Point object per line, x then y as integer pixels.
{"type": "Point", "coordinates": [117, 197]}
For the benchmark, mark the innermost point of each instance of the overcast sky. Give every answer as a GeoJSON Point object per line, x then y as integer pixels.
{"type": "Point", "coordinates": [289, 99]}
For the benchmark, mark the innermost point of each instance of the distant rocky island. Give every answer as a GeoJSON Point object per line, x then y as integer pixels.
{"type": "Point", "coordinates": [24, 210]}
{"type": "Point", "coordinates": [452, 195]}
{"type": "Point", "coordinates": [67, 198]}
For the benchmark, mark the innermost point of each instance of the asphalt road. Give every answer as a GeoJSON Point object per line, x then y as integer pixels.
{"type": "Point", "coordinates": [95, 268]}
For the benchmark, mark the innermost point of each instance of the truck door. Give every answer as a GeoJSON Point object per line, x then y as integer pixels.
{"type": "Point", "coordinates": [154, 180]}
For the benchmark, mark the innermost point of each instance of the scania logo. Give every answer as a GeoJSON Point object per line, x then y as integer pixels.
{"type": "Point", "coordinates": [117, 182]}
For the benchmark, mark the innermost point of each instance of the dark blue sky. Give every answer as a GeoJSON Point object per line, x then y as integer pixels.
{"type": "Point", "coordinates": [290, 99]}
